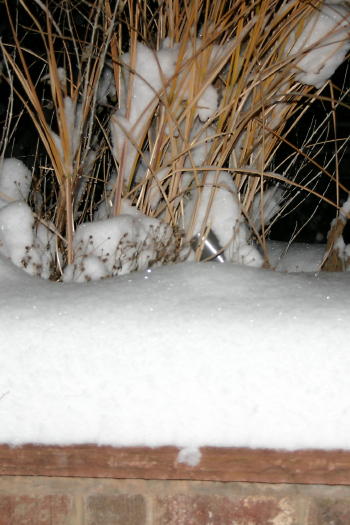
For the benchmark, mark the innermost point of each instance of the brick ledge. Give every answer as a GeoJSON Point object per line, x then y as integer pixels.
{"type": "Point", "coordinates": [217, 464]}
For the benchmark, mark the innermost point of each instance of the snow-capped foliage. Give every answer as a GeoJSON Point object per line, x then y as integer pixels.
{"type": "Point", "coordinates": [28, 247]}
{"type": "Point", "coordinates": [216, 205]}
{"type": "Point", "coordinates": [106, 87]}
{"type": "Point", "coordinates": [119, 245]}
{"type": "Point", "coordinates": [71, 121]}
{"type": "Point", "coordinates": [17, 238]}
{"type": "Point", "coordinates": [323, 44]}
{"type": "Point", "coordinates": [208, 103]}
{"type": "Point", "coordinates": [15, 181]}
{"type": "Point", "coordinates": [168, 150]}
{"type": "Point", "coordinates": [207, 97]}
{"type": "Point", "coordinates": [202, 139]}
{"type": "Point", "coordinates": [152, 71]}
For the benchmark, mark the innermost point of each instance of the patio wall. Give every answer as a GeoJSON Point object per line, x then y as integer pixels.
{"type": "Point", "coordinates": [35, 500]}
{"type": "Point", "coordinates": [91, 485]}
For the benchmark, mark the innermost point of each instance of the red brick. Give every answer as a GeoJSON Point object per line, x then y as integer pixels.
{"type": "Point", "coordinates": [35, 510]}
{"type": "Point", "coordinates": [6, 509]}
{"type": "Point", "coordinates": [122, 509]}
{"type": "Point", "coordinates": [218, 510]}
{"type": "Point", "coordinates": [330, 512]}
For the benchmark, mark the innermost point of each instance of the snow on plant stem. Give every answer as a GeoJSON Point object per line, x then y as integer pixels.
{"type": "Point", "coordinates": [201, 112]}
{"type": "Point", "coordinates": [323, 44]}
{"type": "Point", "coordinates": [130, 123]}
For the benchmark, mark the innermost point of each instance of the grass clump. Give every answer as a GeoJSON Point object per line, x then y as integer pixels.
{"type": "Point", "coordinates": [173, 117]}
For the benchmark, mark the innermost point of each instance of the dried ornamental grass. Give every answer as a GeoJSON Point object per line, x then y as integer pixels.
{"type": "Point", "coordinates": [165, 122]}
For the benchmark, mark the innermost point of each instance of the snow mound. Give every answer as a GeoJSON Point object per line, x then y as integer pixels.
{"type": "Point", "coordinates": [189, 355]}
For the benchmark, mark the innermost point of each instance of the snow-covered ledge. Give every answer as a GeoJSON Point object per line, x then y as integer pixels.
{"type": "Point", "coordinates": [191, 371]}
{"type": "Point", "coordinates": [170, 463]}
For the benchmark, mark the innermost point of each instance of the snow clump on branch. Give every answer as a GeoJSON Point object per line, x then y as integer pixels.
{"type": "Point", "coordinates": [323, 44]}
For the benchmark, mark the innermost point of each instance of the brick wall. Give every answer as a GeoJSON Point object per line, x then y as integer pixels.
{"type": "Point", "coordinates": [86, 501]}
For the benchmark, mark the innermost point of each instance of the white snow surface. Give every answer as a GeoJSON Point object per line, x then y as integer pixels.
{"type": "Point", "coordinates": [191, 354]}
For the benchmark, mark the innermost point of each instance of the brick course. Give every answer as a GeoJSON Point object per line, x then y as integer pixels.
{"type": "Point", "coordinates": [91, 501]}
{"type": "Point", "coordinates": [218, 510]}
{"type": "Point", "coordinates": [123, 509]}
{"type": "Point", "coordinates": [35, 509]}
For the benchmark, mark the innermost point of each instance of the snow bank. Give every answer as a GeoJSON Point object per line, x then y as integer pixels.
{"type": "Point", "coordinates": [187, 355]}
{"type": "Point", "coordinates": [296, 257]}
